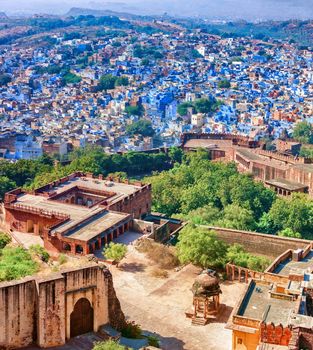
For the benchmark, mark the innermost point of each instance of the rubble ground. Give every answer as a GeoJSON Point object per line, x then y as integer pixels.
{"type": "Point", "coordinates": [159, 304]}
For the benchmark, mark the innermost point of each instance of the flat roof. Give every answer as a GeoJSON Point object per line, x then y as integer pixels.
{"type": "Point", "coordinates": [308, 168]}
{"type": "Point", "coordinates": [208, 143]}
{"type": "Point", "coordinates": [259, 305]}
{"type": "Point", "coordinates": [288, 265]}
{"type": "Point", "coordinates": [121, 189]}
{"type": "Point", "coordinates": [96, 226]}
{"type": "Point", "coordinates": [287, 185]}
{"type": "Point", "coordinates": [253, 156]}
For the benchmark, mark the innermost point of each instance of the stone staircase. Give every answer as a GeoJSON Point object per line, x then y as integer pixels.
{"type": "Point", "coordinates": [199, 321]}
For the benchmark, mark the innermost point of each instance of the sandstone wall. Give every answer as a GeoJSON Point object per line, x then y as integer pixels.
{"type": "Point", "coordinates": [38, 311]}
{"type": "Point", "coordinates": [258, 243]}
{"type": "Point", "coordinates": [17, 313]}
{"type": "Point", "coordinates": [51, 312]}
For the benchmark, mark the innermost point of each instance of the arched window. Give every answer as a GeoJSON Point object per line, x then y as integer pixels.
{"type": "Point", "coordinates": [67, 247]}
{"type": "Point", "coordinates": [79, 249]}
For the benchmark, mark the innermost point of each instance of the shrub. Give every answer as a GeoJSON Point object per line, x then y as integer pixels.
{"type": "Point", "coordinates": [153, 341]}
{"type": "Point", "coordinates": [159, 273]}
{"type": "Point", "coordinates": [4, 239]}
{"type": "Point", "coordinates": [16, 263]}
{"type": "Point", "coordinates": [38, 250]}
{"type": "Point", "coordinates": [132, 330]}
{"type": "Point", "coordinates": [165, 257]}
{"type": "Point", "coordinates": [62, 259]}
{"type": "Point", "coordinates": [238, 256]}
{"type": "Point", "coordinates": [108, 345]}
{"type": "Point", "coordinates": [115, 251]}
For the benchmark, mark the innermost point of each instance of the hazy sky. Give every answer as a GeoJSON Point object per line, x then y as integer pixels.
{"type": "Point", "coordinates": [246, 9]}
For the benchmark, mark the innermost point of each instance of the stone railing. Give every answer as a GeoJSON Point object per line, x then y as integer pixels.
{"type": "Point", "coordinates": [37, 211]}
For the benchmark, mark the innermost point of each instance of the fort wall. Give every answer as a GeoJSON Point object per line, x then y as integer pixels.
{"type": "Point", "coordinates": [40, 311]}
{"type": "Point", "coordinates": [259, 243]}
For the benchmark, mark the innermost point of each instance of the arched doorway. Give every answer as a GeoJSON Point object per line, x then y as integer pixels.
{"type": "Point", "coordinates": [81, 318]}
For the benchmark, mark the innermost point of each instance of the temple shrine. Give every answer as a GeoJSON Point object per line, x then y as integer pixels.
{"type": "Point", "coordinates": [206, 298]}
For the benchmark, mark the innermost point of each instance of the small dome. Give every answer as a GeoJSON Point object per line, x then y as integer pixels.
{"type": "Point", "coordinates": [206, 284]}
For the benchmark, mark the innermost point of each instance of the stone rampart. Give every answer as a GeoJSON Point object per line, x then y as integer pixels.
{"type": "Point", "coordinates": [259, 243]}
{"type": "Point", "coordinates": [47, 311]}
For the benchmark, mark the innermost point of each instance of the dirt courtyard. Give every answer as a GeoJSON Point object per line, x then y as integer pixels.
{"type": "Point", "coordinates": [158, 305]}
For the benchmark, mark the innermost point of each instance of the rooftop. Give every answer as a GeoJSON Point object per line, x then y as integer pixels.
{"type": "Point", "coordinates": [259, 305]}
{"type": "Point", "coordinates": [286, 185]}
{"type": "Point", "coordinates": [97, 225]}
{"type": "Point", "coordinates": [209, 143]}
{"type": "Point", "coordinates": [288, 265]}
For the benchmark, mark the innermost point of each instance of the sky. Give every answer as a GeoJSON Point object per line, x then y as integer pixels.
{"type": "Point", "coordinates": [217, 9]}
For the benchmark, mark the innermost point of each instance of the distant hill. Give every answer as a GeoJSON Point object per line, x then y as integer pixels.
{"type": "Point", "coordinates": [78, 11]}
{"type": "Point", "coordinates": [3, 15]}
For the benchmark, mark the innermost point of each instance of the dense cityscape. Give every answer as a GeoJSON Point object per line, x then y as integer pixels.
{"type": "Point", "coordinates": [136, 89]}
{"type": "Point", "coordinates": [156, 179]}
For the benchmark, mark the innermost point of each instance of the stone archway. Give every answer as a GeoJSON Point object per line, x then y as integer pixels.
{"type": "Point", "coordinates": [81, 318]}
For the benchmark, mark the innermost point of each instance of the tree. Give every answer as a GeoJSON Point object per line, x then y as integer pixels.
{"type": "Point", "coordinates": [237, 218]}
{"type": "Point", "coordinates": [4, 240]}
{"type": "Point", "coordinates": [294, 213]}
{"type": "Point", "coordinates": [107, 82]}
{"type": "Point", "coordinates": [183, 108]}
{"type": "Point", "coordinates": [200, 247]}
{"type": "Point", "coordinates": [145, 62]}
{"type": "Point", "coordinates": [108, 345]}
{"type": "Point", "coordinates": [306, 152]}
{"type": "Point", "coordinates": [287, 232]}
{"type": "Point", "coordinates": [142, 127]}
{"type": "Point", "coordinates": [121, 81]}
{"type": "Point", "coordinates": [71, 78]}
{"type": "Point", "coordinates": [223, 84]}
{"type": "Point", "coordinates": [5, 79]}
{"type": "Point", "coordinates": [5, 185]}
{"type": "Point", "coordinates": [115, 251]}
{"type": "Point", "coordinates": [238, 256]}
{"type": "Point", "coordinates": [206, 215]}
{"type": "Point", "coordinates": [303, 132]}
{"type": "Point", "coordinates": [135, 110]}
{"type": "Point", "coordinates": [176, 154]}
{"type": "Point", "coordinates": [203, 105]}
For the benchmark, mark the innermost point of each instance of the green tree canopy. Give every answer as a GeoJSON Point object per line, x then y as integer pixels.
{"type": "Point", "coordinates": [70, 78]}
{"type": "Point", "coordinates": [107, 82]}
{"type": "Point", "coordinates": [4, 240]}
{"type": "Point", "coordinates": [223, 84]}
{"type": "Point", "coordinates": [287, 232]}
{"type": "Point", "coordinates": [135, 110]}
{"type": "Point", "coordinates": [16, 263]}
{"type": "Point", "coordinates": [183, 108]}
{"type": "Point", "coordinates": [142, 127]}
{"type": "Point", "coordinates": [5, 79]}
{"type": "Point", "coordinates": [237, 217]}
{"type": "Point", "coordinates": [115, 251]}
{"type": "Point", "coordinates": [294, 213]}
{"type": "Point", "coordinates": [303, 132]}
{"type": "Point", "coordinates": [5, 185]}
{"type": "Point", "coordinates": [200, 247]}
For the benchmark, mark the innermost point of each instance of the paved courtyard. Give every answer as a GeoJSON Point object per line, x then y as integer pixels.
{"type": "Point", "coordinates": [159, 305]}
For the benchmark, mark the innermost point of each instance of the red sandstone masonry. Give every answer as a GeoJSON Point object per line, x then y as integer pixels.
{"type": "Point", "coordinates": [259, 243]}
{"type": "Point", "coordinates": [37, 311]}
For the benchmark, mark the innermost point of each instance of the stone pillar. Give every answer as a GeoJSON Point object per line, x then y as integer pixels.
{"type": "Point", "coordinates": [246, 276]}
{"type": "Point", "coordinates": [205, 308]}
{"type": "Point", "coordinates": [233, 272]}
